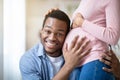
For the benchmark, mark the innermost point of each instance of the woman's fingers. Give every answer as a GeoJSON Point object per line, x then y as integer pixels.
{"type": "Point", "coordinates": [49, 11]}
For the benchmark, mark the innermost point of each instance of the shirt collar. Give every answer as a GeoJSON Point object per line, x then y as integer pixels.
{"type": "Point", "coordinates": [41, 51]}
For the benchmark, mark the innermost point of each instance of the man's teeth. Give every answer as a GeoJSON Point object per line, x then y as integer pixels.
{"type": "Point", "coordinates": [51, 44]}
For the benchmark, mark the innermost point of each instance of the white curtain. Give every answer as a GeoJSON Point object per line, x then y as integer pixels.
{"type": "Point", "coordinates": [14, 37]}
{"type": "Point", "coordinates": [1, 40]}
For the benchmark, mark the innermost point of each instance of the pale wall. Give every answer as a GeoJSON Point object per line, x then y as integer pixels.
{"type": "Point", "coordinates": [35, 10]}
{"type": "Point", "coordinates": [35, 14]}
{"type": "Point", "coordinates": [1, 39]}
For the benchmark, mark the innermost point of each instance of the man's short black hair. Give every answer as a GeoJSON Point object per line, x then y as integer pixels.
{"type": "Point", "coordinates": [58, 14]}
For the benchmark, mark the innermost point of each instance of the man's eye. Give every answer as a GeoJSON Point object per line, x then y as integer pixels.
{"type": "Point", "coordinates": [47, 31]}
{"type": "Point", "coordinates": [60, 34]}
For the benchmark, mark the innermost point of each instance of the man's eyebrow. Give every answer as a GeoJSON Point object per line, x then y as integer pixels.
{"type": "Point", "coordinates": [47, 26]}
{"type": "Point", "coordinates": [61, 30]}
{"type": "Point", "coordinates": [51, 27]}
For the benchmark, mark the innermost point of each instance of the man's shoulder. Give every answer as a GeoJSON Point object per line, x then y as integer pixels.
{"type": "Point", "coordinates": [32, 52]}
{"type": "Point", "coordinates": [31, 55]}
{"type": "Point", "coordinates": [30, 60]}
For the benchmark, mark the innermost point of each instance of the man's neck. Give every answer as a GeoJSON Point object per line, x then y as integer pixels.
{"type": "Point", "coordinates": [56, 54]}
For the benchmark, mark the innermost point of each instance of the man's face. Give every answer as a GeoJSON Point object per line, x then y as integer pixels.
{"type": "Point", "coordinates": [53, 35]}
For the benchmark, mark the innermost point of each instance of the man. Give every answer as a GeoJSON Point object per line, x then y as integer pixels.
{"type": "Point", "coordinates": [45, 61]}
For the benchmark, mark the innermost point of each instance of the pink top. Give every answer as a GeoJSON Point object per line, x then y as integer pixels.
{"type": "Point", "coordinates": [101, 26]}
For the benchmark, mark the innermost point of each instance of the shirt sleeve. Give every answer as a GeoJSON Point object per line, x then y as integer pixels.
{"type": "Point", "coordinates": [28, 70]}
{"type": "Point", "coordinates": [111, 32]}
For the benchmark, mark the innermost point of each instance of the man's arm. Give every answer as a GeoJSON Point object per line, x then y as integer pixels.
{"type": "Point", "coordinates": [72, 58]}
{"type": "Point", "coordinates": [113, 62]}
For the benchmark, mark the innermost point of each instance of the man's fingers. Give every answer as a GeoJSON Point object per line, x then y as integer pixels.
{"type": "Point", "coordinates": [65, 48]}
{"type": "Point", "coordinates": [74, 41]}
{"type": "Point", "coordinates": [85, 53]}
{"type": "Point", "coordinates": [107, 62]}
{"type": "Point", "coordinates": [110, 53]}
{"type": "Point", "coordinates": [107, 58]}
{"type": "Point", "coordinates": [80, 43]}
{"type": "Point", "coordinates": [84, 44]}
{"type": "Point", "coordinates": [106, 69]}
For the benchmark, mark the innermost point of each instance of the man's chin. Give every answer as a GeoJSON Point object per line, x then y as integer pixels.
{"type": "Point", "coordinates": [53, 53]}
{"type": "Point", "coordinates": [50, 51]}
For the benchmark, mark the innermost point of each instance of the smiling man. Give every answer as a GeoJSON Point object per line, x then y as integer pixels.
{"type": "Point", "coordinates": [53, 35]}
{"type": "Point", "coordinates": [45, 60]}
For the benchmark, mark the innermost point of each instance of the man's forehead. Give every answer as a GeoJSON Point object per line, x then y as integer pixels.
{"type": "Point", "coordinates": [55, 23]}
{"type": "Point", "coordinates": [49, 21]}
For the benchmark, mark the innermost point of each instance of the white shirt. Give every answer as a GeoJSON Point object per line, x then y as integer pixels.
{"type": "Point", "coordinates": [56, 63]}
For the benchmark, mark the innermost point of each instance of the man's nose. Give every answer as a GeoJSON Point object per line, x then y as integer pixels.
{"type": "Point", "coordinates": [52, 36]}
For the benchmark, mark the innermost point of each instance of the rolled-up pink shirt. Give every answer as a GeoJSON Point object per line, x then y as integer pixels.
{"type": "Point", "coordinates": [98, 47]}
{"type": "Point", "coordinates": [101, 26]}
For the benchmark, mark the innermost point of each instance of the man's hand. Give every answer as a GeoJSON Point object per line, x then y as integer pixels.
{"type": "Point", "coordinates": [72, 57]}
{"type": "Point", "coordinates": [113, 62]}
{"type": "Point", "coordinates": [75, 53]}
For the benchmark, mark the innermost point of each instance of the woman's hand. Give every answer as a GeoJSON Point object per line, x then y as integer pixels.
{"type": "Point", "coordinates": [49, 11]}
{"type": "Point", "coordinates": [77, 21]}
